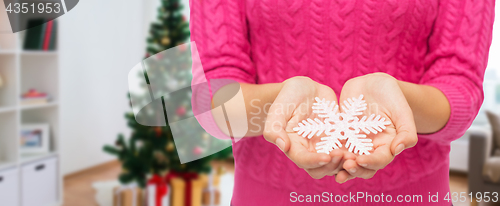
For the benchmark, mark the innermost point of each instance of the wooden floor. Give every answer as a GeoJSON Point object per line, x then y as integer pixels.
{"type": "Point", "coordinates": [78, 189]}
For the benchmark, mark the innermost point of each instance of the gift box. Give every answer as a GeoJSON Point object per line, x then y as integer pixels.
{"type": "Point", "coordinates": [158, 191]}
{"type": "Point", "coordinates": [211, 197]}
{"type": "Point", "coordinates": [128, 196]}
{"type": "Point", "coordinates": [211, 194]}
{"type": "Point", "coordinates": [187, 188]}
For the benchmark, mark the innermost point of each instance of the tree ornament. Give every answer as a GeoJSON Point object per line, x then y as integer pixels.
{"type": "Point", "coordinates": [170, 147]}
{"type": "Point", "coordinates": [181, 111]}
{"type": "Point", "coordinates": [183, 47]}
{"type": "Point", "coordinates": [165, 41]}
{"type": "Point", "coordinates": [205, 136]}
{"type": "Point", "coordinates": [342, 126]}
{"type": "Point", "coordinates": [158, 56]}
{"type": "Point", "coordinates": [197, 150]}
{"type": "Point", "coordinates": [172, 84]}
{"type": "Point", "coordinates": [138, 144]}
{"type": "Point", "coordinates": [158, 131]}
{"type": "Point", "coordinates": [160, 157]}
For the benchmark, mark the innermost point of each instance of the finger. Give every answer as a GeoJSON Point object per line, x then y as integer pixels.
{"type": "Point", "coordinates": [338, 158]}
{"type": "Point", "coordinates": [349, 155]}
{"type": "Point", "coordinates": [357, 171]}
{"type": "Point", "coordinates": [306, 159]}
{"type": "Point", "coordinates": [380, 158]}
{"type": "Point", "coordinates": [329, 169]}
{"type": "Point", "coordinates": [403, 140]}
{"type": "Point", "coordinates": [343, 176]}
{"type": "Point", "coordinates": [320, 172]}
{"type": "Point", "coordinates": [406, 132]}
{"type": "Point", "coordinates": [274, 128]}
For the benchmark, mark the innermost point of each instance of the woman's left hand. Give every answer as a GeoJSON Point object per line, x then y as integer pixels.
{"type": "Point", "coordinates": [384, 97]}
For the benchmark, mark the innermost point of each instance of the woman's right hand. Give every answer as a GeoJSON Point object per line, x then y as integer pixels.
{"type": "Point", "coordinates": [292, 105]}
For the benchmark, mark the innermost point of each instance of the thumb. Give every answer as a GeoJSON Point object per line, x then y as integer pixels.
{"type": "Point", "coordinates": [406, 132]}
{"type": "Point", "coordinates": [404, 140]}
{"type": "Point", "coordinates": [279, 138]}
{"type": "Point", "coordinates": [274, 130]}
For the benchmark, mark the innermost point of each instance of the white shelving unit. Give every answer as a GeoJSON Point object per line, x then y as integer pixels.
{"type": "Point", "coordinates": [35, 178]}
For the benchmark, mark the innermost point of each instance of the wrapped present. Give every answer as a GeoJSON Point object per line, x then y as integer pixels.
{"type": "Point", "coordinates": [211, 197]}
{"type": "Point", "coordinates": [211, 194]}
{"type": "Point", "coordinates": [187, 188]}
{"type": "Point", "coordinates": [158, 192]}
{"type": "Point", "coordinates": [128, 195]}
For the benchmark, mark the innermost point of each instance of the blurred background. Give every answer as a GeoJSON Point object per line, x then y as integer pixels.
{"type": "Point", "coordinates": [63, 101]}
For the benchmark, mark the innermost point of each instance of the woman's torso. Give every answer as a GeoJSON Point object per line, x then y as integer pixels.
{"type": "Point", "coordinates": [331, 42]}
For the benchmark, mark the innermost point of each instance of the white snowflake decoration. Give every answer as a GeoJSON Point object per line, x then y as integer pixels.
{"type": "Point", "coordinates": [342, 126]}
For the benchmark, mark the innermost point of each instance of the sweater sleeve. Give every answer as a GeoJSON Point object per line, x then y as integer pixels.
{"type": "Point", "coordinates": [219, 29]}
{"type": "Point", "coordinates": [456, 60]}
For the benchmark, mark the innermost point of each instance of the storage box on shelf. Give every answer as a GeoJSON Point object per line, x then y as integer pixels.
{"type": "Point", "coordinates": [27, 179]}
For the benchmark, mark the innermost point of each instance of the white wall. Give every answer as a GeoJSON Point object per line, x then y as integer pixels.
{"type": "Point", "coordinates": [150, 13]}
{"type": "Point", "coordinates": [493, 60]}
{"type": "Point", "coordinates": [492, 76]}
{"type": "Point", "coordinates": [100, 42]}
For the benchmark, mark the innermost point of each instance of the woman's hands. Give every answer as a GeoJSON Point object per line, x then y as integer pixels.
{"type": "Point", "coordinates": [292, 105]}
{"type": "Point", "coordinates": [384, 97]}
{"type": "Point", "coordinates": [405, 104]}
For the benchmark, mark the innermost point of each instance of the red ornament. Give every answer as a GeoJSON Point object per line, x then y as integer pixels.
{"type": "Point", "coordinates": [158, 131]}
{"type": "Point", "coordinates": [181, 111]}
{"type": "Point", "coordinates": [197, 150]}
{"type": "Point", "coordinates": [182, 47]}
{"type": "Point", "coordinates": [159, 56]}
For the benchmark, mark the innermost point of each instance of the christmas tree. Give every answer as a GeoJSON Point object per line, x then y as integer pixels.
{"type": "Point", "coordinates": [152, 150]}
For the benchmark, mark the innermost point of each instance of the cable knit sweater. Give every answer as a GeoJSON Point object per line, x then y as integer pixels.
{"type": "Point", "coordinates": [441, 43]}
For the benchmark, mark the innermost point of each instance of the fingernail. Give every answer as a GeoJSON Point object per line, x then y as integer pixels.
{"type": "Point", "coordinates": [400, 148]}
{"type": "Point", "coordinates": [346, 180]}
{"type": "Point", "coordinates": [322, 163]}
{"type": "Point", "coordinates": [363, 165]}
{"type": "Point", "coordinates": [335, 160]}
{"type": "Point", "coordinates": [352, 170]}
{"type": "Point", "coordinates": [280, 143]}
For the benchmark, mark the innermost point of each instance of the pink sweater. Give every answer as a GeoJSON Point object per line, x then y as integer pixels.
{"type": "Point", "coordinates": [442, 43]}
